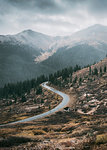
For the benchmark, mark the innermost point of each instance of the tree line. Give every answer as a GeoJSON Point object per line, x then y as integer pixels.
{"type": "Point", "coordinates": [64, 74]}
{"type": "Point", "coordinates": [63, 77]}
{"type": "Point", "coordinates": [13, 90]}
{"type": "Point", "coordinates": [20, 88]}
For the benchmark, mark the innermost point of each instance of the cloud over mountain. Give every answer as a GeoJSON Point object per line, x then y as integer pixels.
{"type": "Point", "coordinates": [53, 17]}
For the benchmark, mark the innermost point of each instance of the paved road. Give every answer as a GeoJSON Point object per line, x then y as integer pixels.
{"type": "Point", "coordinates": [57, 108]}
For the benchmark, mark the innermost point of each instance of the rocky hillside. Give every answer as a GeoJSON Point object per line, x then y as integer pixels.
{"type": "Point", "coordinates": [90, 86]}
{"type": "Point", "coordinates": [18, 53]}
{"type": "Point", "coordinates": [29, 54]}
{"type": "Point", "coordinates": [92, 89]}
{"type": "Point", "coordinates": [81, 125]}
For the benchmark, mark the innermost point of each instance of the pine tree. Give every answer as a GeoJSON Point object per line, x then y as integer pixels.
{"type": "Point", "coordinates": [49, 107]}
{"type": "Point", "coordinates": [75, 80]}
{"type": "Point", "coordinates": [105, 68]}
{"type": "Point", "coordinates": [39, 90]}
{"type": "Point", "coordinates": [100, 71]}
{"type": "Point", "coordinates": [23, 99]}
{"type": "Point", "coordinates": [95, 71]}
{"type": "Point", "coordinates": [90, 70]}
{"type": "Point", "coordinates": [80, 80]}
{"type": "Point", "coordinates": [42, 101]}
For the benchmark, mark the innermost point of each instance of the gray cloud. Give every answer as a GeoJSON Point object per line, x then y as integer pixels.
{"type": "Point", "coordinates": [47, 6]}
{"type": "Point", "coordinates": [54, 17]}
{"type": "Point", "coordinates": [97, 7]}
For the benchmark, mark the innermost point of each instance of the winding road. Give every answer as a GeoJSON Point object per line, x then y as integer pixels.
{"type": "Point", "coordinates": [64, 102]}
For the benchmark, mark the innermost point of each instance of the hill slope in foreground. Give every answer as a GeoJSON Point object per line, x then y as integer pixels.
{"type": "Point", "coordinates": [82, 126]}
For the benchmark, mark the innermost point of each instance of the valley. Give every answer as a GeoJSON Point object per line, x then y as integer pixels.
{"type": "Point", "coordinates": [74, 127]}
{"type": "Point", "coordinates": [53, 74]}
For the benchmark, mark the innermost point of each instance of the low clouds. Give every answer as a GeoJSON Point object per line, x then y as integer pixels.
{"type": "Point", "coordinates": [97, 7]}
{"type": "Point", "coordinates": [53, 17]}
{"type": "Point", "coordinates": [46, 6]}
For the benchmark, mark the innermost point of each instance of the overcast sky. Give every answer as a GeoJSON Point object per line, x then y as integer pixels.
{"type": "Point", "coordinates": [52, 17]}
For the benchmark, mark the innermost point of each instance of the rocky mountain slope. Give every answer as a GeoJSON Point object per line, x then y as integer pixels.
{"type": "Point", "coordinates": [18, 53]}
{"type": "Point", "coordinates": [90, 86]}
{"type": "Point", "coordinates": [29, 54]}
{"type": "Point", "coordinates": [83, 48]}
{"type": "Point", "coordinates": [81, 54]}
{"type": "Point", "coordinates": [93, 35]}
{"type": "Point", "coordinates": [30, 38]}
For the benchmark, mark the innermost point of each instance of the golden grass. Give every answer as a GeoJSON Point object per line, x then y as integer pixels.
{"type": "Point", "coordinates": [25, 134]}
{"type": "Point", "coordinates": [21, 118]}
{"type": "Point", "coordinates": [69, 126]}
{"type": "Point", "coordinates": [39, 132]}
{"type": "Point", "coordinates": [101, 139]}
{"type": "Point", "coordinates": [6, 131]}
{"type": "Point", "coordinates": [31, 133]}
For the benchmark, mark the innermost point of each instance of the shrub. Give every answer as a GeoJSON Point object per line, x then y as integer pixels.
{"type": "Point", "coordinates": [39, 132]}
{"type": "Point", "coordinates": [23, 99]}
{"type": "Point", "coordinates": [13, 141]}
{"type": "Point", "coordinates": [101, 139]}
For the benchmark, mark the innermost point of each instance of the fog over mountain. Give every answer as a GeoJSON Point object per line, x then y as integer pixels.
{"type": "Point", "coordinates": [29, 54]}
{"type": "Point", "coordinates": [84, 47]}
{"type": "Point", "coordinates": [42, 36]}
{"type": "Point", "coordinates": [52, 17]}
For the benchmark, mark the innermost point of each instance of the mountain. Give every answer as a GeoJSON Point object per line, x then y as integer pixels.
{"type": "Point", "coordinates": [82, 55]}
{"type": "Point", "coordinates": [29, 37]}
{"type": "Point", "coordinates": [94, 35]}
{"type": "Point", "coordinates": [29, 54]}
{"type": "Point", "coordinates": [18, 53]}
{"type": "Point", "coordinates": [82, 48]}
{"type": "Point", "coordinates": [89, 84]}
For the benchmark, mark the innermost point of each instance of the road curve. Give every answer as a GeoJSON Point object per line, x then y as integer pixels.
{"type": "Point", "coordinates": [64, 102]}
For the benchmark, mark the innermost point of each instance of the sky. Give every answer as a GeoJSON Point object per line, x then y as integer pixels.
{"type": "Point", "coordinates": [52, 17]}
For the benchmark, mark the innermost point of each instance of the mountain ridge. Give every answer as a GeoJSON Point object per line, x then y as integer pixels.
{"type": "Point", "coordinates": [28, 55]}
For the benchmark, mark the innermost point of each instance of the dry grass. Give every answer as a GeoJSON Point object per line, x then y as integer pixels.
{"type": "Point", "coordinates": [101, 139]}
{"type": "Point", "coordinates": [64, 130]}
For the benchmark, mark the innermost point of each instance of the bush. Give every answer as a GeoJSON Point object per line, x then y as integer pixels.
{"type": "Point", "coordinates": [13, 141]}
{"type": "Point", "coordinates": [101, 139]}
{"type": "Point", "coordinates": [23, 99]}
{"type": "Point", "coordinates": [39, 132]}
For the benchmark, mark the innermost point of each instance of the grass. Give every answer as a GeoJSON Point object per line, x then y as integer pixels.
{"type": "Point", "coordinates": [39, 132]}
{"type": "Point", "coordinates": [101, 139]}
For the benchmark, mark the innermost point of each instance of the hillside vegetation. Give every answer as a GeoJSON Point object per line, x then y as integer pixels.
{"type": "Point", "coordinates": [90, 86]}
{"type": "Point", "coordinates": [82, 126]}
